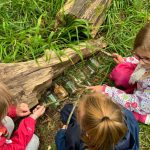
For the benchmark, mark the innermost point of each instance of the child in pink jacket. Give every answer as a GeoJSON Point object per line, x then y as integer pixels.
{"type": "Point", "coordinates": [24, 137]}
{"type": "Point", "coordinates": [132, 78]}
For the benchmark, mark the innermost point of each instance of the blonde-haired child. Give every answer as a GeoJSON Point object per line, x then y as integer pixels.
{"type": "Point", "coordinates": [132, 78]}
{"type": "Point", "coordinates": [103, 125]}
{"type": "Point", "coordinates": [23, 138]}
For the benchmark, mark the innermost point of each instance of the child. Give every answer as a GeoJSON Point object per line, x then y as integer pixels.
{"type": "Point", "coordinates": [132, 75]}
{"type": "Point", "coordinates": [103, 125]}
{"type": "Point", "coordinates": [23, 138]}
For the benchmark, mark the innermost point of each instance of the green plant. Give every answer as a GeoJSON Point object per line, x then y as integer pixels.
{"type": "Point", "coordinates": [27, 29]}
{"type": "Point", "coordinates": [123, 20]}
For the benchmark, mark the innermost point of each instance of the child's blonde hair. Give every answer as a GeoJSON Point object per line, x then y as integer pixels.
{"type": "Point", "coordinates": [5, 100]}
{"type": "Point", "coordinates": [103, 122]}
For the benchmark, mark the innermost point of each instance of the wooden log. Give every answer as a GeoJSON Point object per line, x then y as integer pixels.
{"type": "Point", "coordinates": [91, 10]}
{"type": "Point", "coordinates": [27, 81]}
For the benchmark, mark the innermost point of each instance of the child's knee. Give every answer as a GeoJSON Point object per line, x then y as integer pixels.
{"type": "Point", "coordinates": [35, 140]}
{"type": "Point", "coordinates": [8, 123]}
{"type": "Point", "coordinates": [34, 143]}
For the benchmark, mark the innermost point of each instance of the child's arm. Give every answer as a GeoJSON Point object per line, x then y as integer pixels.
{"type": "Point", "coordinates": [132, 60]}
{"type": "Point", "coordinates": [119, 59]}
{"type": "Point", "coordinates": [60, 139]}
{"type": "Point", "coordinates": [134, 102]}
{"type": "Point", "coordinates": [24, 133]}
{"type": "Point", "coordinates": [19, 110]}
{"type": "Point", "coordinates": [21, 137]}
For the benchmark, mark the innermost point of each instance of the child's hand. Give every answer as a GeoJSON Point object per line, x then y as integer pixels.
{"type": "Point", "coordinates": [117, 58]}
{"type": "Point", "coordinates": [97, 88]}
{"type": "Point", "coordinates": [22, 110]}
{"type": "Point", "coordinates": [64, 127]}
{"type": "Point", "coordinates": [37, 112]}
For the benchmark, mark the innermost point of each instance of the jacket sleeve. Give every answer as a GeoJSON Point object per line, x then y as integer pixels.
{"type": "Point", "coordinates": [12, 111]}
{"type": "Point", "coordinates": [131, 139]}
{"type": "Point", "coordinates": [60, 139]}
{"type": "Point", "coordinates": [22, 135]}
{"type": "Point", "coordinates": [132, 60]}
{"type": "Point", "coordinates": [132, 102]}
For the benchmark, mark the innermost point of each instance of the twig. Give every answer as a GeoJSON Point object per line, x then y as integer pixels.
{"type": "Point", "coordinates": [48, 104]}
{"type": "Point", "coordinates": [106, 53]}
{"type": "Point", "coordinates": [82, 86]}
{"type": "Point", "coordinates": [71, 113]}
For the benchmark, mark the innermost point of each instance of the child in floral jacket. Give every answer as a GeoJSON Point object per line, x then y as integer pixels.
{"type": "Point", "coordinates": [132, 78]}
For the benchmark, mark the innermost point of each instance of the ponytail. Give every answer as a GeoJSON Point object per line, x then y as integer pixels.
{"type": "Point", "coordinates": [102, 121]}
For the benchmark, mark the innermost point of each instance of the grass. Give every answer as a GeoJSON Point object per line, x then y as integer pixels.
{"type": "Point", "coordinates": [27, 29]}
{"type": "Point", "coordinates": [123, 21]}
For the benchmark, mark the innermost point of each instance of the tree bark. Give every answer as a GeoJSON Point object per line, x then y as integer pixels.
{"type": "Point", "coordinates": [91, 10]}
{"type": "Point", "coordinates": [27, 81]}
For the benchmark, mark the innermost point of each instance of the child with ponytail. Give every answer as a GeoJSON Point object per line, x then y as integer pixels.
{"type": "Point", "coordinates": [101, 125]}
{"type": "Point", "coordinates": [24, 137]}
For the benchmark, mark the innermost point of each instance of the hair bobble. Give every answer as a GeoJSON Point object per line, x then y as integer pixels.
{"type": "Point", "coordinates": [105, 118]}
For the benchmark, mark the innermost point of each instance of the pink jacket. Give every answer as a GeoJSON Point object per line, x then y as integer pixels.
{"type": "Point", "coordinates": [21, 136]}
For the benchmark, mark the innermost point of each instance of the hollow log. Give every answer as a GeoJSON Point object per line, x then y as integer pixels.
{"type": "Point", "coordinates": [27, 81]}
{"type": "Point", "coordinates": [91, 10]}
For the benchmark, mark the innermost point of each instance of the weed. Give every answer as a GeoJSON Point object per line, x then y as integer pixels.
{"type": "Point", "coordinates": [27, 29]}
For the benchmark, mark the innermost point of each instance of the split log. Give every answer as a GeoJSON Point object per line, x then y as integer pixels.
{"type": "Point", "coordinates": [27, 81]}
{"type": "Point", "coordinates": [91, 10]}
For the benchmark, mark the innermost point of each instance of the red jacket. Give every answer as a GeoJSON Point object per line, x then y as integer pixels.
{"type": "Point", "coordinates": [21, 136]}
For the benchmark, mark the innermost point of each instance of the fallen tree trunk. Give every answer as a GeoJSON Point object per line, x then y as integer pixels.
{"type": "Point", "coordinates": [91, 10]}
{"type": "Point", "coordinates": [28, 80]}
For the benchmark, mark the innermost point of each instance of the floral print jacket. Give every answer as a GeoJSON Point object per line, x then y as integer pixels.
{"type": "Point", "coordinates": [139, 101]}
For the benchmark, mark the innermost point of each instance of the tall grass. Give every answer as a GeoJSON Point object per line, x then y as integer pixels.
{"type": "Point", "coordinates": [123, 21]}
{"type": "Point", "coordinates": [27, 29]}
